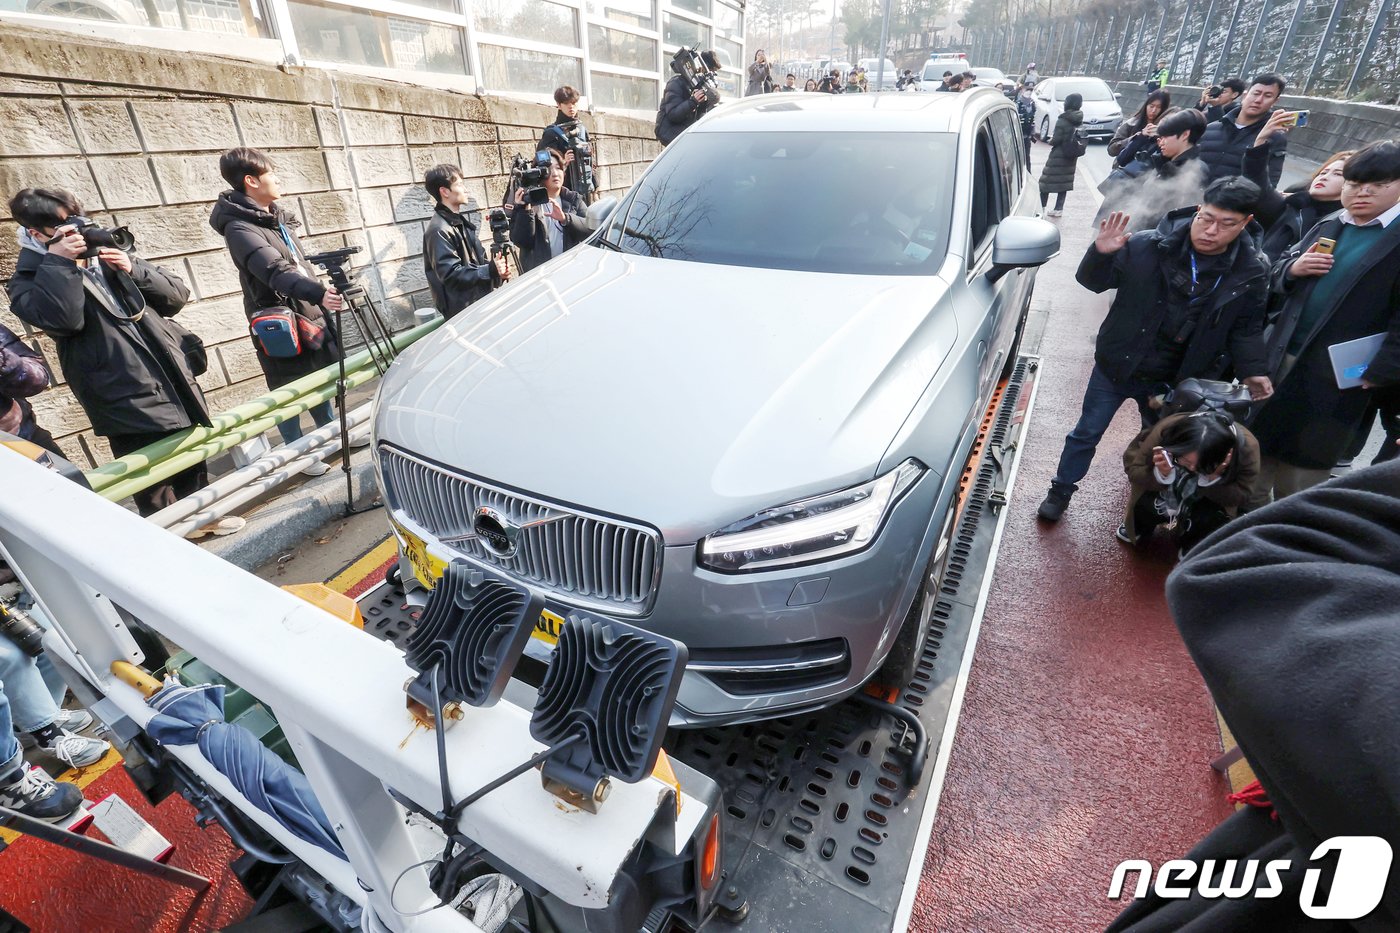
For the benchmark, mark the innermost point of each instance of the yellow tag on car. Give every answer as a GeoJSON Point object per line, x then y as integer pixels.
{"type": "Point", "coordinates": [426, 567]}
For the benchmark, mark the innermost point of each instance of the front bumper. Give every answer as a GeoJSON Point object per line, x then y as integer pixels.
{"type": "Point", "coordinates": [773, 643]}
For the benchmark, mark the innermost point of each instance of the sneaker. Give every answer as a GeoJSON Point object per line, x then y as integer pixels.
{"type": "Point", "coordinates": [1054, 213]}
{"type": "Point", "coordinates": [357, 442]}
{"type": "Point", "coordinates": [316, 468]}
{"type": "Point", "coordinates": [73, 720]}
{"type": "Point", "coordinates": [1122, 535]}
{"type": "Point", "coordinates": [76, 751]}
{"type": "Point", "coordinates": [1053, 507]}
{"type": "Point", "coordinates": [37, 795]}
{"type": "Point", "coordinates": [228, 525]}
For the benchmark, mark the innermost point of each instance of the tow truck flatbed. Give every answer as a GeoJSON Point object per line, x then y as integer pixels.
{"type": "Point", "coordinates": [823, 830]}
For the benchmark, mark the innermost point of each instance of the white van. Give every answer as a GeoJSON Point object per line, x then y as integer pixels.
{"type": "Point", "coordinates": [872, 74]}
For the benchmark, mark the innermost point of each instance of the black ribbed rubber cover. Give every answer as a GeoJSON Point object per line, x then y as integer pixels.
{"type": "Point", "coordinates": [475, 627]}
{"type": "Point", "coordinates": [615, 682]}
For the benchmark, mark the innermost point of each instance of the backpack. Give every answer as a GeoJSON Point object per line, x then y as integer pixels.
{"type": "Point", "coordinates": [1078, 145]}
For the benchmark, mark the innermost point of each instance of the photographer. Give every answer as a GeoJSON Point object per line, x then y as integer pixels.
{"type": "Point", "coordinates": [458, 268]}
{"type": "Point", "coordinates": [686, 100]}
{"type": "Point", "coordinates": [1218, 99]}
{"type": "Point", "coordinates": [544, 231]}
{"type": "Point", "coordinates": [128, 368]}
{"type": "Point", "coordinates": [760, 75]}
{"type": "Point", "coordinates": [273, 272]}
{"type": "Point", "coordinates": [22, 374]}
{"type": "Point", "coordinates": [831, 83]}
{"type": "Point", "coordinates": [569, 137]}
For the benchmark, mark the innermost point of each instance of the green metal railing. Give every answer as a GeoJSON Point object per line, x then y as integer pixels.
{"type": "Point", "coordinates": [144, 468]}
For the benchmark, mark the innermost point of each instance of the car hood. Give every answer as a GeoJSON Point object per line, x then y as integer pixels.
{"type": "Point", "coordinates": [684, 395]}
{"type": "Point", "coordinates": [1100, 109]}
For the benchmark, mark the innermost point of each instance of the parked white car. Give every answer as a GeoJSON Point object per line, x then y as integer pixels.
{"type": "Point", "coordinates": [872, 74]}
{"type": "Point", "coordinates": [1102, 110]}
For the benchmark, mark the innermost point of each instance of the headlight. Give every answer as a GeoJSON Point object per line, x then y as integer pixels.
{"type": "Point", "coordinates": [815, 529]}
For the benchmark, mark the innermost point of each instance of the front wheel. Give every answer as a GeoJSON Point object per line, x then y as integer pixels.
{"type": "Point", "coordinates": [903, 660]}
{"type": "Point", "coordinates": [1045, 129]}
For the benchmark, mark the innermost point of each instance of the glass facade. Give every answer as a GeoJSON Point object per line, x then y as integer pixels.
{"type": "Point", "coordinates": [616, 52]}
{"type": "Point", "coordinates": [358, 37]}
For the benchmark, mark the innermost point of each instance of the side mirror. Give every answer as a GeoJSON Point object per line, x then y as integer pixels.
{"type": "Point", "coordinates": [599, 211]}
{"type": "Point", "coordinates": [1117, 95]}
{"type": "Point", "coordinates": [1023, 243]}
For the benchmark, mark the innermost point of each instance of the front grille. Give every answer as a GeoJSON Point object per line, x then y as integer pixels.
{"type": "Point", "coordinates": [586, 560]}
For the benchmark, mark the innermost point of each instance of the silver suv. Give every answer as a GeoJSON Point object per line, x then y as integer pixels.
{"type": "Point", "coordinates": [737, 414]}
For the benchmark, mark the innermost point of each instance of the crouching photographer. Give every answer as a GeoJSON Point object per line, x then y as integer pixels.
{"type": "Point", "coordinates": [546, 219]}
{"type": "Point", "coordinates": [132, 371]}
{"type": "Point", "coordinates": [689, 95]}
{"type": "Point", "coordinates": [458, 269]}
{"type": "Point", "coordinates": [1191, 473]}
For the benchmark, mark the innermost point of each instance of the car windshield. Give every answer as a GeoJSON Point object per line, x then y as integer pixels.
{"type": "Point", "coordinates": [1089, 89]}
{"type": "Point", "coordinates": [800, 201]}
{"type": "Point", "coordinates": [991, 74]}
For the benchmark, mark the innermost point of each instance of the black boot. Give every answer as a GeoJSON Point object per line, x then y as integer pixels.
{"type": "Point", "coordinates": [1054, 505]}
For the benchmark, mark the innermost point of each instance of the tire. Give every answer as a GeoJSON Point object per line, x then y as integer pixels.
{"type": "Point", "coordinates": [1045, 129]}
{"type": "Point", "coordinates": [394, 576]}
{"type": "Point", "coordinates": [903, 660]}
{"type": "Point", "coordinates": [1014, 353]}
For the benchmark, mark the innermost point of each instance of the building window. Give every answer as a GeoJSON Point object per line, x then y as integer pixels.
{"type": "Point", "coordinates": [525, 71]}
{"type": "Point", "coordinates": [612, 47]}
{"type": "Point", "coordinates": [539, 20]}
{"type": "Point", "coordinates": [358, 37]}
{"type": "Point", "coordinates": [699, 7]}
{"type": "Point", "coordinates": [615, 91]}
{"type": "Point", "coordinates": [638, 13]}
{"type": "Point", "coordinates": [728, 84]}
{"type": "Point", "coordinates": [230, 17]}
{"type": "Point", "coordinates": [681, 31]}
{"type": "Point", "coordinates": [731, 53]}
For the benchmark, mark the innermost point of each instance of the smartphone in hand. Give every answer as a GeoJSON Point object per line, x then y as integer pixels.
{"type": "Point", "coordinates": [1325, 245]}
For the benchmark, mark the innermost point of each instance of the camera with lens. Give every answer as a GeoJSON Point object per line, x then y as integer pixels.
{"type": "Point", "coordinates": [1215, 91]}
{"type": "Point", "coordinates": [16, 625]}
{"type": "Point", "coordinates": [500, 231]}
{"type": "Point", "coordinates": [570, 137]}
{"type": "Point", "coordinates": [689, 64]}
{"type": "Point", "coordinates": [97, 236]}
{"type": "Point", "coordinates": [530, 174]}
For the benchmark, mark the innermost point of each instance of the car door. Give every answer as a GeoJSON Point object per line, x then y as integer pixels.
{"type": "Point", "coordinates": [991, 307]}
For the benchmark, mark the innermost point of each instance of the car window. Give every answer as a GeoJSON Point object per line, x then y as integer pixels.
{"type": "Point", "coordinates": [1088, 88]}
{"type": "Point", "coordinates": [987, 193]}
{"type": "Point", "coordinates": [1010, 154]}
{"type": "Point", "coordinates": [863, 203]}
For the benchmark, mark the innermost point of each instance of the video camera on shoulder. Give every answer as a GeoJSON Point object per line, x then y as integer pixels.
{"type": "Point", "coordinates": [530, 174]}
{"type": "Point", "coordinates": [689, 64]}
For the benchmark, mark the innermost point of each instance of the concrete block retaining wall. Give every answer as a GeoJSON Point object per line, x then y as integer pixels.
{"type": "Point", "coordinates": [141, 148]}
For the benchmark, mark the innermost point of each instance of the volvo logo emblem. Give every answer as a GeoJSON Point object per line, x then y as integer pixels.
{"type": "Point", "coordinates": [497, 534]}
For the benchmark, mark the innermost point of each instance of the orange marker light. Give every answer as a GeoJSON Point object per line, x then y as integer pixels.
{"type": "Point", "coordinates": [709, 859]}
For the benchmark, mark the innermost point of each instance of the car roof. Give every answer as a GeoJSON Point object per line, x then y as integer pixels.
{"type": "Point", "coordinates": [917, 113]}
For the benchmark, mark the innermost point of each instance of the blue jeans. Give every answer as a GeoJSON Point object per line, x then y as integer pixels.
{"type": "Point", "coordinates": [1102, 399]}
{"type": "Point", "coordinates": [290, 429]}
{"type": "Point", "coordinates": [9, 745]}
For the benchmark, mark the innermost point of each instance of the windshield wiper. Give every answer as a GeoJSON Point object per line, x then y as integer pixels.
{"type": "Point", "coordinates": [608, 244]}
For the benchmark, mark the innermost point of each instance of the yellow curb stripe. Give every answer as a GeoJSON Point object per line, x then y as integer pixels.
{"type": "Point", "coordinates": [369, 561]}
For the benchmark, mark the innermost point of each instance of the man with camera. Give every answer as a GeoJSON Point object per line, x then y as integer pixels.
{"type": "Point", "coordinates": [130, 369]}
{"type": "Point", "coordinates": [554, 224]}
{"type": "Point", "coordinates": [569, 137]}
{"type": "Point", "coordinates": [689, 95]}
{"type": "Point", "coordinates": [458, 268]}
{"type": "Point", "coordinates": [1218, 99]}
{"type": "Point", "coordinates": [277, 281]}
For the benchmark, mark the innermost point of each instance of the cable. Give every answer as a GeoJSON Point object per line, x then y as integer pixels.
{"type": "Point", "coordinates": [511, 775]}
{"type": "Point", "coordinates": [393, 889]}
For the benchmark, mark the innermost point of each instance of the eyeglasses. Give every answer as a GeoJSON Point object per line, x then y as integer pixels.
{"type": "Point", "coordinates": [1209, 221]}
{"type": "Point", "coordinates": [1369, 187]}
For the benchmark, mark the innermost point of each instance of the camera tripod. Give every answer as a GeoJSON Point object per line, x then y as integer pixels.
{"type": "Point", "coordinates": [377, 336]}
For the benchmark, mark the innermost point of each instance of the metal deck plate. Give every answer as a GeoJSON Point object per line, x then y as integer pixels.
{"type": "Point", "coordinates": [821, 825]}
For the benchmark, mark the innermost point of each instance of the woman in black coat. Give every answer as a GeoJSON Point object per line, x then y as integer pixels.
{"type": "Point", "coordinates": [1286, 217]}
{"type": "Point", "coordinates": [1057, 177]}
{"type": "Point", "coordinates": [273, 271]}
{"type": "Point", "coordinates": [1157, 106]}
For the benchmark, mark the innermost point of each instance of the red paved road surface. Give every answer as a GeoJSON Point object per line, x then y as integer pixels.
{"type": "Point", "coordinates": [1086, 732]}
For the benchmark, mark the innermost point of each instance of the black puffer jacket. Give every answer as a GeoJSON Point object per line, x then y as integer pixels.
{"type": "Point", "coordinates": [1286, 217]}
{"type": "Point", "coordinates": [458, 267]}
{"type": "Point", "coordinates": [679, 109]}
{"type": "Point", "coordinates": [1230, 327]}
{"type": "Point", "coordinates": [1058, 174]}
{"type": "Point", "coordinates": [122, 363]}
{"type": "Point", "coordinates": [271, 274]}
{"type": "Point", "coordinates": [530, 235]}
{"type": "Point", "coordinates": [1223, 146]}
